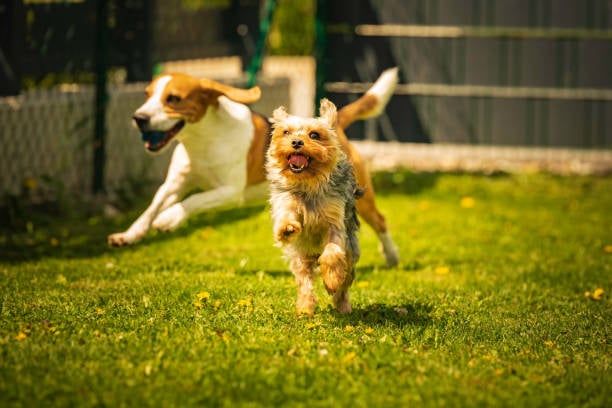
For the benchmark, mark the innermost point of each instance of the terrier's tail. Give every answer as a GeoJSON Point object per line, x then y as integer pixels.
{"type": "Point", "coordinates": [372, 103]}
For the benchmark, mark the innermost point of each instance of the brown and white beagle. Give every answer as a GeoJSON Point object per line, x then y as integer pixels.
{"type": "Point", "coordinates": [221, 149]}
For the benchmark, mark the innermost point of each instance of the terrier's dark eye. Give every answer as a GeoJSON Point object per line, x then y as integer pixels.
{"type": "Point", "coordinates": [314, 136]}
{"type": "Point", "coordinates": [173, 99]}
{"type": "Point", "coordinates": [286, 132]}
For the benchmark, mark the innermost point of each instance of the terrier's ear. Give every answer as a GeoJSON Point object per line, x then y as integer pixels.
{"type": "Point", "coordinates": [279, 114]}
{"type": "Point", "coordinates": [327, 112]}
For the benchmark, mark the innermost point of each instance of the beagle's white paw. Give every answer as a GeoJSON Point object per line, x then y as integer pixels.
{"type": "Point", "coordinates": [171, 218]}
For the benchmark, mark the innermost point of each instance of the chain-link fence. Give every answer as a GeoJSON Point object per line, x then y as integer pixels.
{"type": "Point", "coordinates": [72, 74]}
{"type": "Point", "coordinates": [47, 142]}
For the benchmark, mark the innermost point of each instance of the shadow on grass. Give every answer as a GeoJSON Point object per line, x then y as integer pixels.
{"type": "Point", "coordinates": [273, 273]}
{"type": "Point", "coordinates": [380, 314]}
{"type": "Point", "coordinates": [36, 232]}
{"type": "Point", "coordinates": [362, 271]}
{"type": "Point", "coordinates": [410, 183]}
{"type": "Point", "coordinates": [403, 182]}
{"type": "Point", "coordinates": [69, 238]}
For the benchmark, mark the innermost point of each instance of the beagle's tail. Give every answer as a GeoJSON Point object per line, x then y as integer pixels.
{"type": "Point", "coordinates": [372, 103]}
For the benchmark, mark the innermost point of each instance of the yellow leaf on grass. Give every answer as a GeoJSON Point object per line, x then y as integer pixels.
{"type": "Point", "coordinates": [467, 202]}
{"type": "Point", "coordinates": [442, 270]}
{"type": "Point", "coordinates": [598, 294]}
{"type": "Point", "coordinates": [203, 295]}
{"type": "Point", "coordinates": [363, 284]}
{"type": "Point", "coordinates": [349, 328]}
{"type": "Point", "coordinates": [248, 301]}
{"type": "Point", "coordinates": [350, 356]}
{"type": "Point", "coordinates": [21, 336]}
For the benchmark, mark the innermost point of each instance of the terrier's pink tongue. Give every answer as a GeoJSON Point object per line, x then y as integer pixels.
{"type": "Point", "coordinates": [297, 160]}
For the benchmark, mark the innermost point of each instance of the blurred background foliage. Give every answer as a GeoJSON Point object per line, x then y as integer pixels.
{"type": "Point", "coordinates": [292, 30]}
{"type": "Point", "coordinates": [291, 33]}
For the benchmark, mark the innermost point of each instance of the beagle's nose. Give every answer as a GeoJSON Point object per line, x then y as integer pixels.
{"type": "Point", "coordinates": [141, 120]}
{"type": "Point", "coordinates": [297, 144]}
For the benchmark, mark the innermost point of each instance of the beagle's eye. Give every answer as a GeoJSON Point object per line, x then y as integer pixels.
{"type": "Point", "coordinates": [314, 135]}
{"type": "Point", "coordinates": [173, 99]}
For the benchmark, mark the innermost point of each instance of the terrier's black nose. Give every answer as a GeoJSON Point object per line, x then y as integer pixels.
{"type": "Point", "coordinates": [297, 144]}
{"type": "Point", "coordinates": [141, 120]}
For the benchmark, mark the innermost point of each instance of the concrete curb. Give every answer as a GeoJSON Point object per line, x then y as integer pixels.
{"type": "Point", "coordinates": [390, 156]}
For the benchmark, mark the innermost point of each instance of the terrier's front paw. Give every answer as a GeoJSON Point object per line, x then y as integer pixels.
{"type": "Point", "coordinates": [288, 232]}
{"type": "Point", "coordinates": [170, 218]}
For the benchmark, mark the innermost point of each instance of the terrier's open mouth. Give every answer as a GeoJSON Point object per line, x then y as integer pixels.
{"type": "Point", "coordinates": [297, 162]}
{"type": "Point", "coordinates": [155, 139]}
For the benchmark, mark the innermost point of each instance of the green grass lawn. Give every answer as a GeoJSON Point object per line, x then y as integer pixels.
{"type": "Point", "coordinates": [495, 303]}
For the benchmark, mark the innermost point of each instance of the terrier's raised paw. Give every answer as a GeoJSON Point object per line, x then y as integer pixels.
{"type": "Point", "coordinates": [288, 232]}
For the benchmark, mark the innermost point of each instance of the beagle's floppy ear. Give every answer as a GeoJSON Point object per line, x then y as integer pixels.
{"type": "Point", "coordinates": [279, 114]}
{"type": "Point", "coordinates": [235, 94]}
{"type": "Point", "coordinates": [327, 112]}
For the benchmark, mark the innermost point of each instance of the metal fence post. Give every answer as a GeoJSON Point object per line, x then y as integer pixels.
{"type": "Point", "coordinates": [319, 51]}
{"type": "Point", "coordinates": [264, 28]}
{"type": "Point", "coordinates": [101, 99]}
{"type": "Point", "coordinates": [12, 23]}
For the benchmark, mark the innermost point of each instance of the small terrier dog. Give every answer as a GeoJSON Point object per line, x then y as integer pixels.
{"type": "Point", "coordinates": [313, 192]}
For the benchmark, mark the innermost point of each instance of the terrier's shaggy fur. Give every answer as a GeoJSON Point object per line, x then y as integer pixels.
{"type": "Point", "coordinates": [313, 191]}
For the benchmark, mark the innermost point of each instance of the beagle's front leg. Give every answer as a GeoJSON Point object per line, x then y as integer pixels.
{"type": "Point", "coordinates": [167, 194]}
{"type": "Point", "coordinates": [219, 198]}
